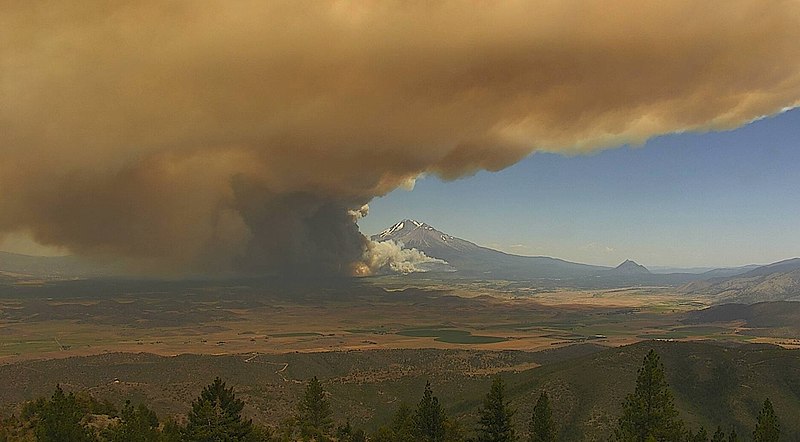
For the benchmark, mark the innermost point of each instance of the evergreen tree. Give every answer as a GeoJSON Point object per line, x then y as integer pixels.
{"type": "Point", "coordinates": [216, 416]}
{"type": "Point", "coordinates": [649, 412]}
{"type": "Point", "coordinates": [346, 433]}
{"type": "Point", "coordinates": [732, 436]}
{"type": "Point", "coordinates": [495, 416]}
{"type": "Point", "coordinates": [542, 428]}
{"type": "Point", "coordinates": [287, 429]}
{"type": "Point", "coordinates": [263, 433]}
{"type": "Point", "coordinates": [700, 436]}
{"type": "Point", "coordinates": [314, 412]}
{"type": "Point", "coordinates": [767, 429]}
{"type": "Point", "coordinates": [343, 432]}
{"type": "Point", "coordinates": [429, 419]}
{"type": "Point", "coordinates": [382, 434]}
{"type": "Point", "coordinates": [402, 427]}
{"type": "Point", "coordinates": [60, 419]}
{"type": "Point", "coordinates": [719, 435]}
{"type": "Point", "coordinates": [137, 424]}
{"type": "Point", "coordinates": [171, 432]}
{"type": "Point", "coordinates": [454, 432]}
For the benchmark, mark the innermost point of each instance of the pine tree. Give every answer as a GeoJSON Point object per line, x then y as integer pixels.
{"type": "Point", "coordinates": [542, 428]}
{"type": "Point", "coordinates": [732, 436]}
{"type": "Point", "coordinates": [137, 424]}
{"type": "Point", "coordinates": [402, 427]}
{"type": "Point", "coordinates": [171, 432]}
{"type": "Point", "coordinates": [495, 416]}
{"type": "Point", "coordinates": [767, 429]}
{"type": "Point", "coordinates": [343, 432]}
{"type": "Point", "coordinates": [217, 416]}
{"type": "Point", "coordinates": [314, 412]}
{"type": "Point", "coordinates": [60, 419]}
{"type": "Point", "coordinates": [719, 435]}
{"type": "Point", "coordinates": [346, 433]}
{"type": "Point", "coordinates": [454, 432]}
{"type": "Point", "coordinates": [649, 412]}
{"type": "Point", "coordinates": [429, 419]}
{"type": "Point", "coordinates": [700, 436]}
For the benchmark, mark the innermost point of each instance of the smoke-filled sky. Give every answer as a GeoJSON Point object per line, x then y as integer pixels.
{"type": "Point", "coordinates": [247, 136]}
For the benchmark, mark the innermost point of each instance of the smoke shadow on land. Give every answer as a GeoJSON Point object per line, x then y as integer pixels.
{"type": "Point", "coordinates": [255, 288]}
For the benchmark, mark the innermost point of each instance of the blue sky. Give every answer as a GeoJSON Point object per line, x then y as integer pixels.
{"type": "Point", "coordinates": [691, 199]}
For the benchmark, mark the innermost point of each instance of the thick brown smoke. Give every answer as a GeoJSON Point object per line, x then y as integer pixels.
{"type": "Point", "coordinates": [240, 136]}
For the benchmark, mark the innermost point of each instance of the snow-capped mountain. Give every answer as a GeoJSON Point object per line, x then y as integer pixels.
{"type": "Point", "coordinates": [469, 260]}
{"type": "Point", "coordinates": [472, 260]}
{"type": "Point", "coordinates": [423, 237]}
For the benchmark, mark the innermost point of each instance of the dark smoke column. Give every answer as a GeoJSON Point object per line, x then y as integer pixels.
{"type": "Point", "coordinates": [299, 234]}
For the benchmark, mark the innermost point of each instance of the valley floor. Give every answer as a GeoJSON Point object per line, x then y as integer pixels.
{"type": "Point", "coordinates": [83, 318]}
{"type": "Point", "coordinates": [374, 346]}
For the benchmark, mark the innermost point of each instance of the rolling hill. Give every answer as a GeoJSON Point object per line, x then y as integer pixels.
{"type": "Point", "coordinates": [779, 281]}
{"type": "Point", "coordinates": [779, 318]}
{"type": "Point", "coordinates": [712, 384]}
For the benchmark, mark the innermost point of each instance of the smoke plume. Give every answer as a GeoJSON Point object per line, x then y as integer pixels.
{"type": "Point", "coordinates": [222, 136]}
{"type": "Point", "coordinates": [391, 256]}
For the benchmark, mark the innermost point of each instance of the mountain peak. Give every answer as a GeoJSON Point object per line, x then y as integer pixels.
{"type": "Point", "coordinates": [414, 224]}
{"type": "Point", "coordinates": [402, 228]}
{"type": "Point", "coordinates": [416, 234]}
{"type": "Point", "coordinates": [470, 260]}
{"type": "Point", "coordinates": [630, 267]}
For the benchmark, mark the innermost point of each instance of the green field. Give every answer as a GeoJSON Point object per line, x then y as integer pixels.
{"type": "Point", "coordinates": [451, 336]}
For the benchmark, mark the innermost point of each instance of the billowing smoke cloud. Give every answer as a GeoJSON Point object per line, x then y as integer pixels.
{"type": "Point", "coordinates": [240, 136]}
{"type": "Point", "coordinates": [389, 255]}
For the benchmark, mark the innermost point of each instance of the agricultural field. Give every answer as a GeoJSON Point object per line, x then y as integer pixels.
{"type": "Point", "coordinates": [70, 319]}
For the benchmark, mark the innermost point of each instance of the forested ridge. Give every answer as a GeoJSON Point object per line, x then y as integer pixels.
{"type": "Point", "coordinates": [648, 414]}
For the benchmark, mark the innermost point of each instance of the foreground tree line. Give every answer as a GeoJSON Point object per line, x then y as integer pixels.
{"type": "Point", "coordinates": [648, 414]}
